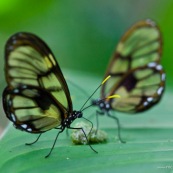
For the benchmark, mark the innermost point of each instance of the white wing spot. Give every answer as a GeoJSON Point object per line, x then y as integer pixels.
{"type": "Point", "coordinates": [24, 126]}
{"type": "Point", "coordinates": [29, 130]}
{"type": "Point", "coordinates": [13, 117]}
{"type": "Point", "coordinates": [10, 103]}
{"type": "Point", "coordinates": [145, 103]}
{"type": "Point", "coordinates": [152, 64]}
{"type": "Point", "coordinates": [159, 91]}
{"type": "Point", "coordinates": [16, 90]}
{"type": "Point", "coordinates": [159, 67]}
{"type": "Point", "coordinates": [163, 77]}
{"type": "Point", "coordinates": [150, 99]}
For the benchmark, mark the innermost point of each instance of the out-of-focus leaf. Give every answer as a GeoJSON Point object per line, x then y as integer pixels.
{"type": "Point", "coordinates": [149, 147]}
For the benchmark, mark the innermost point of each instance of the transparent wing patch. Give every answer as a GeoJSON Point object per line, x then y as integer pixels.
{"type": "Point", "coordinates": [31, 109]}
{"type": "Point", "coordinates": [139, 46]}
{"type": "Point", "coordinates": [29, 61]}
{"type": "Point", "coordinates": [140, 89]}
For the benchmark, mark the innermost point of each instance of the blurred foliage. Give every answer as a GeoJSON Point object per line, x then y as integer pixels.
{"type": "Point", "coordinates": [83, 34]}
{"type": "Point", "coordinates": [148, 148]}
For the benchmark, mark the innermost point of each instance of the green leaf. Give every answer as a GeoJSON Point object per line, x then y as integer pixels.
{"type": "Point", "coordinates": [148, 136]}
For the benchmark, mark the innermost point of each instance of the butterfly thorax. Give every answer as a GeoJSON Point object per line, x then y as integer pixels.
{"type": "Point", "coordinates": [102, 104]}
{"type": "Point", "coordinates": [75, 114]}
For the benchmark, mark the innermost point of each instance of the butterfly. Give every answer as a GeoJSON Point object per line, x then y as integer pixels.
{"type": "Point", "coordinates": [37, 98]}
{"type": "Point", "coordinates": [136, 73]}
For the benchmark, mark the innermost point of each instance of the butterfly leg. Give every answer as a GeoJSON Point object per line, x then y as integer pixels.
{"type": "Point", "coordinates": [90, 123]}
{"type": "Point", "coordinates": [118, 124]}
{"type": "Point", "coordinates": [54, 143]}
{"type": "Point", "coordinates": [66, 130]}
{"type": "Point", "coordinates": [85, 137]}
{"type": "Point", "coordinates": [97, 119]}
{"type": "Point", "coordinates": [35, 140]}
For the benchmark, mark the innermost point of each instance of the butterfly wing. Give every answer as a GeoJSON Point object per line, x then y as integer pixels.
{"type": "Point", "coordinates": [140, 88]}
{"type": "Point", "coordinates": [30, 62]}
{"type": "Point", "coordinates": [140, 45]}
{"type": "Point", "coordinates": [32, 109]}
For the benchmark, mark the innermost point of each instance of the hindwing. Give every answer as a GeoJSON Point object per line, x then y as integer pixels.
{"type": "Point", "coordinates": [37, 97]}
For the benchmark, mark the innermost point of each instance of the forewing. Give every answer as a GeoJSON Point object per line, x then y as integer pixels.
{"type": "Point", "coordinates": [29, 61]}
{"type": "Point", "coordinates": [139, 89]}
{"type": "Point", "coordinates": [140, 45]}
{"type": "Point", "coordinates": [32, 109]}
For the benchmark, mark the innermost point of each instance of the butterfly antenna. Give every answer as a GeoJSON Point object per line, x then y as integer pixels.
{"type": "Point", "coordinates": [78, 87]}
{"type": "Point", "coordinates": [107, 98]}
{"type": "Point", "coordinates": [95, 91]}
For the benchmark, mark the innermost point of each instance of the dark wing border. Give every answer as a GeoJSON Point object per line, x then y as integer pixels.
{"type": "Point", "coordinates": [25, 38]}
{"type": "Point", "coordinates": [143, 23]}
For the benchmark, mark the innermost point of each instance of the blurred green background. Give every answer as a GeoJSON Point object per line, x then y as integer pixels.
{"type": "Point", "coordinates": [83, 34]}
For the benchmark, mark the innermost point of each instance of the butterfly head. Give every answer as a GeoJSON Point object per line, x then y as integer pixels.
{"type": "Point", "coordinates": [102, 104]}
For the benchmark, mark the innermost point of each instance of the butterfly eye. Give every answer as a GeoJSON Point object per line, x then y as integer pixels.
{"type": "Point", "coordinates": [107, 106]}
{"type": "Point", "coordinates": [101, 104]}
